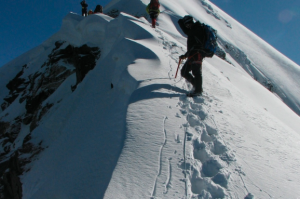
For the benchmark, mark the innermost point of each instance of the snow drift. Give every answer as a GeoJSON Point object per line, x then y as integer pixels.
{"type": "Point", "coordinates": [125, 129]}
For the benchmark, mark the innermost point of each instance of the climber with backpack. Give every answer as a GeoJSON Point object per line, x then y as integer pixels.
{"type": "Point", "coordinates": [201, 42]}
{"type": "Point", "coordinates": [98, 9]}
{"type": "Point", "coordinates": [84, 6]}
{"type": "Point", "coordinates": [153, 10]}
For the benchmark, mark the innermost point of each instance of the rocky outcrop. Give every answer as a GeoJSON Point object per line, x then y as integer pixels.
{"type": "Point", "coordinates": [114, 13]}
{"type": "Point", "coordinates": [15, 87]}
{"type": "Point", "coordinates": [221, 53]}
{"type": "Point", "coordinates": [32, 91]}
{"type": "Point", "coordinates": [8, 133]}
{"type": "Point", "coordinates": [11, 186]}
{"type": "Point", "coordinates": [37, 87]}
{"type": "Point", "coordinates": [83, 58]}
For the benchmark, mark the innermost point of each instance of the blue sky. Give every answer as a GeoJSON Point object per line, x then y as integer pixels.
{"type": "Point", "coordinates": [26, 24]}
{"type": "Point", "coordinates": [275, 21]}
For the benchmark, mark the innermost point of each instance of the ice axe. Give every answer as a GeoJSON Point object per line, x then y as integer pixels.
{"type": "Point", "coordinates": [178, 67]}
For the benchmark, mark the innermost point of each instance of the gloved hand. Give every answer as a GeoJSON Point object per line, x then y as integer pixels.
{"type": "Point", "coordinates": [182, 57]}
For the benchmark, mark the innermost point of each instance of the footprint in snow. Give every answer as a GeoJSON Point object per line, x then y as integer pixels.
{"type": "Point", "coordinates": [204, 187]}
{"type": "Point", "coordinates": [199, 110]}
{"type": "Point", "coordinates": [193, 120]}
{"type": "Point", "coordinates": [206, 170]}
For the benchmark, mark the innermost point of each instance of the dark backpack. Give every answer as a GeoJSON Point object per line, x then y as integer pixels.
{"type": "Point", "coordinates": [210, 44]}
{"type": "Point", "coordinates": [98, 9]}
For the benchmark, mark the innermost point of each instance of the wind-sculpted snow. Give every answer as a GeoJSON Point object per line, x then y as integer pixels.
{"type": "Point", "coordinates": [95, 112]}
{"type": "Point", "coordinates": [44, 88]}
{"type": "Point", "coordinates": [188, 156]}
{"type": "Point", "coordinates": [110, 69]}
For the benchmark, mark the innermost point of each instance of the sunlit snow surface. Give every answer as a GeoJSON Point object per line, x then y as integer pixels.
{"type": "Point", "coordinates": [144, 138]}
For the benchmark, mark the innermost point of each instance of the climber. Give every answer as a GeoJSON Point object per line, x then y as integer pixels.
{"type": "Point", "coordinates": [153, 10]}
{"type": "Point", "coordinates": [90, 12]}
{"type": "Point", "coordinates": [84, 8]}
{"type": "Point", "coordinates": [195, 37]}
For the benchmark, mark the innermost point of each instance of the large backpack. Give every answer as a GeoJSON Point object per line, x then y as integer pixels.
{"type": "Point", "coordinates": [210, 44]}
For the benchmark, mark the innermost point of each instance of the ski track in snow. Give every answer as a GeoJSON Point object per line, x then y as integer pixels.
{"type": "Point", "coordinates": [169, 178]}
{"type": "Point", "coordinates": [160, 159]}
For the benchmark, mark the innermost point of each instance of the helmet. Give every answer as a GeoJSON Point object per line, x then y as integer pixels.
{"type": "Point", "coordinates": [187, 20]}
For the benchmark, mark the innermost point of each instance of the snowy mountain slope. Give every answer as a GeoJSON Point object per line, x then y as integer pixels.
{"type": "Point", "coordinates": [124, 128]}
{"type": "Point", "coordinates": [259, 59]}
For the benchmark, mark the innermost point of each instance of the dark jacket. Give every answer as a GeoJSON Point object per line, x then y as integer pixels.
{"type": "Point", "coordinates": [195, 37]}
{"type": "Point", "coordinates": [84, 5]}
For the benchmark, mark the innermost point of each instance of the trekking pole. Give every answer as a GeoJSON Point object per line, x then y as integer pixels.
{"type": "Point", "coordinates": [178, 67]}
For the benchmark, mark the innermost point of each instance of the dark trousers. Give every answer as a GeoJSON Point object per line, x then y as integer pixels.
{"type": "Point", "coordinates": [84, 12]}
{"type": "Point", "coordinates": [193, 64]}
{"type": "Point", "coordinates": [153, 22]}
{"type": "Point", "coordinates": [153, 16]}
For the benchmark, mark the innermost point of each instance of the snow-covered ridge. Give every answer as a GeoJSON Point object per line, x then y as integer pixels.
{"type": "Point", "coordinates": [125, 129]}
{"type": "Point", "coordinates": [256, 52]}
